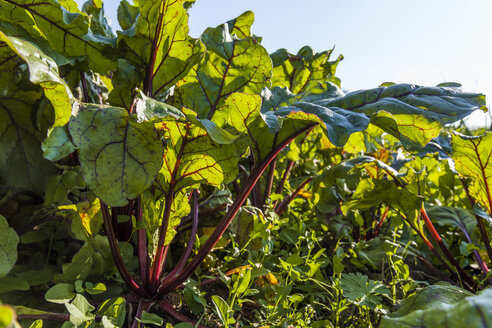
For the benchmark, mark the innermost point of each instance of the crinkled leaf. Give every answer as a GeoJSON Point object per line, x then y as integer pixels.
{"type": "Point", "coordinates": [440, 145]}
{"type": "Point", "coordinates": [8, 247]}
{"type": "Point", "coordinates": [230, 65]}
{"type": "Point", "coordinates": [339, 124]}
{"type": "Point", "coordinates": [472, 157]}
{"type": "Point", "coordinates": [413, 114]}
{"type": "Point", "coordinates": [159, 44]}
{"type": "Point", "coordinates": [67, 33]}
{"type": "Point", "coordinates": [471, 311]}
{"type": "Point", "coordinates": [238, 111]}
{"type": "Point", "coordinates": [119, 156]}
{"type": "Point", "coordinates": [192, 157]}
{"type": "Point", "coordinates": [360, 289]}
{"type": "Point", "coordinates": [295, 72]}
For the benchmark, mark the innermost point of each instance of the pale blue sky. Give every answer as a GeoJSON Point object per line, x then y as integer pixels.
{"type": "Point", "coordinates": [419, 41]}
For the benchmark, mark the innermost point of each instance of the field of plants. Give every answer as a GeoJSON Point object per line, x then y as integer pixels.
{"type": "Point", "coordinates": [150, 179]}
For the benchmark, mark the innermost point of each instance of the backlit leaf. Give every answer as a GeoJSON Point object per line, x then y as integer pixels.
{"type": "Point", "coordinates": [232, 64]}
{"type": "Point", "coordinates": [472, 157]}
{"type": "Point", "coordinates": [295, 72]}
{"type": "Point", "coordinates": [158, 43]}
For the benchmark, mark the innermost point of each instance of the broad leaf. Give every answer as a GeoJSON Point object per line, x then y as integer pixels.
{"type": "Point", "coordinates": [429, 295]}
{"type": "Point", "coordinates": [232, 64]}
{"type": "Point", "coordinates": [8, 247]}
{"type": "Point", "coordinates": [411, 113]}
{"type": "Point", "coordinates": [67, 33]}
{"type": "Point", "coordinates": [373, 192]}
{"type": "Point", "coordinates": [119, 156]}
{"type": "Point", "coordinates": [21, 109]}
{"type": "Point", "coordinates": [472, 157]}
{"type": "Point", "coordinates": [471, 311]}
{"type": "Point", "coordinates": [44, 72]}
{"type": "Point", "coordinates": [192, 157]}
{"type": "Point", "coordinates": [127, 14]}
{"type": "Point", "coordinates": [158, 44]}
{"type": "Point", "coordinates": [453, 216]}
{"type": "Point", "coordinates": [295, 72]}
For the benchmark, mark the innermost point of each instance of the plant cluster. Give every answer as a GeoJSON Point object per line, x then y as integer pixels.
{"type": "Point", "coordinates": [148, 177]}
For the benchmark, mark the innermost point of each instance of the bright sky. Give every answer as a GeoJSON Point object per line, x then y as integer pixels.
{"type": "Point", "coordinates": [424, 42]}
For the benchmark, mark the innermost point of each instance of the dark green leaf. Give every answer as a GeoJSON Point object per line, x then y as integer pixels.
{"type": "Point", "coordinates": [471, 311]}
{"type": "Point", "coordinates": [8, 247]}
{"type": "Point", "coordinates": [67, 33]}
{"type": "Point", "coordinates": [119, 156]}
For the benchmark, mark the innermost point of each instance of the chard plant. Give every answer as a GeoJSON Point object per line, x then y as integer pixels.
{"type": "Point", "coordinates": [148, 132]}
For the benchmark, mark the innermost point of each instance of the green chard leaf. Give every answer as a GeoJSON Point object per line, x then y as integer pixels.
{"type": "Point", "coordinates": [453, 216]}
{"type": "Point", "coordinates": [99, 25]}
{"type": "Point", "coordinates": [373, 192]}
{"type": "Point", "coordinates": [232, 64]}
{"type": "Point", "coordinates": [411, 113]}
{"type": "Point", "coordinates": [68, 33]}
{"type": "Point", "coordinates": [127, 14]}
{"type": "Point", "coordinates": [120, 157]}
{"type": "Point", "coordinates": [192, 157]}
{"type": "Point", "coordinates": [21, 161]}
{"type": "Point", "coordinates": [44, 72]}
{"type": "Point", "coordinates": [295, 72]}
{"type": "Point", "coordinates": [472, 157]}
{"type": "Point", "coordinates": [447, 312]}
{"type": "Point", "coordinates": [158, 45]}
